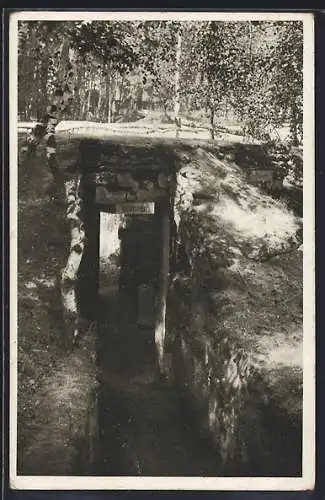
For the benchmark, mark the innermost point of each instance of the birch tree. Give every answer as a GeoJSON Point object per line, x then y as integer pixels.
{"type": "Point", "coordinates": [177, 82]}
{"type": "Point", "coordinates": [80, 38]}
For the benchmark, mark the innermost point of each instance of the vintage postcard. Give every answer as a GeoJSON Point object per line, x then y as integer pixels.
{"type": "Point", "coordinates": [162, 322]}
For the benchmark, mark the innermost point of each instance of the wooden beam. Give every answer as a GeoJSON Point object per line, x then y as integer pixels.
{"type": "Point", "coordinates": [163, 282]}
{"type": "Point", "coordinates": [109, 197]}
{"type": "Point", "coordinates": [105, 197]}
{"type": "Point", "coordinates": [88, 283]}
{"type": "Point", "coordinates": [138, 208]}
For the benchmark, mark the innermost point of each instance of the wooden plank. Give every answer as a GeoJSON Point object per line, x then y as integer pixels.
{"type": "Point", "coordinates": [89, 268]}
{"type": "Point", "coordinates": [160, 323]}
{"type": "Point", "coordinates": [147, 207]}
{"type": "Point", "coordinates": [109, 197]}
{"type": "Point", "coordinates": [103, 196]}
{"type": "Point", "coordinates": [126, 180]}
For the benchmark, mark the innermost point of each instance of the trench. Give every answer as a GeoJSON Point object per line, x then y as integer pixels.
{"type": "Point", "coordinates": [143, 425]}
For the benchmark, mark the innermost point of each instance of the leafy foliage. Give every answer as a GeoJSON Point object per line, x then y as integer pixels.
{"type": "Point", "coordinates": [288, 75]}
{"type": "Point", "coordinates": [108, 43]}
{"type": "Point", "coordinates": [252, 68]}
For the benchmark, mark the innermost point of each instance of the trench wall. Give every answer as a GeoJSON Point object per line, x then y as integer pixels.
{"type": "Point", "coordinates": [227, 323]}
{"type": "Point", "coordinates": [57, 384]}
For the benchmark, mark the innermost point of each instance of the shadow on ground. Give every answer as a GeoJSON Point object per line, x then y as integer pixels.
{"type": "Point", "coordinates": [143, 428]}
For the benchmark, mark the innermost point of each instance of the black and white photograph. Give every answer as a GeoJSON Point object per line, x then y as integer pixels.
{"type": "Point", "coordinates": [161, 250]}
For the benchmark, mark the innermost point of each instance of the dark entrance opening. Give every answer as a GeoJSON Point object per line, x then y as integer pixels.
{"type": "Point", "coordinates": [141, 423]}
{"type": "Point", "coordinates": [139, 266]}
{"type": "Point", "coordinates": [143, 426]}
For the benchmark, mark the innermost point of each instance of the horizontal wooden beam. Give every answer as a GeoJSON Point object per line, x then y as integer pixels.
{"type": "Point", "coordinates": [137, 208]}
{"type": "Point", "coordinates": [128, 180]}
{"type": "Point", "coordinates": [105, 197]}
{"type": "Point", "coordinates": [129, 208]}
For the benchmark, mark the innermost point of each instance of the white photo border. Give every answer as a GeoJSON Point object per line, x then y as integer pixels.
{"type": "Point", "coordinates": [177, 483]}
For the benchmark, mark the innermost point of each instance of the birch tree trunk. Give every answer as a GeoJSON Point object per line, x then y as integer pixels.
{"type": "Point", "coordinates": [250, 37]}
{"type": "Point", "coordinates": [177, 83]}
{"type": "Point", "coordinates": [45, 129]}
{"type": "Point", "coordinates": [108, 99]}
{"type": "Point", "coordinates": [294, 125]}
{"type": "Point", "coordinates": [212, 122]}
{"type": "Point", "coordinates": [90, 89]}
{"type": "Point", "coordinates": [69, 275]}
{"type": "Point", "coordinates": [100, 99]}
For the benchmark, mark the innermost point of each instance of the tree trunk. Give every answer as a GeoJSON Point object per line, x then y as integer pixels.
{"type": "Point", "coordinates": [110, 110]}
{"type": "Point", "coordinates": [164, 105]}
{"type": "Point", "coordinates": [57, 107]}
{"type": "Point", "coordinates": [250, 36]}
{"type": "Point", "coordinates": [69, 275]}
{"type": "Point", "coordinates": [89, 98]}
{"type": "Point", "coordinates": [108, 99]}
{"type": "Point", "coordinates": [226, 109]}
{"type": "Point", "coordinates": [100, 100]}
{"type": "Point", "coordinates": [45, 129]}
{"type": "Point", "coordinates": [77, 100]}
{"type": "Point", "coordinates": [41, 104]}
{"type": "Point", "coordinates": [84, 107]}
{"type": "Point", "coordinates": [294, 125]}
{"type": "Point", "coordinates": [177, 84]}
{"type": "Point", "coordinates": [212, 124]}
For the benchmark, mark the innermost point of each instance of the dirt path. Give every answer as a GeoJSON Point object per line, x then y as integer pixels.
{"type": "Point", "coordinates": [143, 429]}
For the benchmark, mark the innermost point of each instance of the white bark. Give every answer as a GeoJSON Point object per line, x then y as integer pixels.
{"type": "Point", "coordinates": [177, 83]}
{"type": "Point", "coordinates": [160, 327]}
{"type": "Point", "coordinates": [69, 276]}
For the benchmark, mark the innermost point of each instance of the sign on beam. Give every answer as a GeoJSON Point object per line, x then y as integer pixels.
{"type": "Point", "coordinates": [135, 208]}
{"type": "Point", "coordinates": [105, 197]}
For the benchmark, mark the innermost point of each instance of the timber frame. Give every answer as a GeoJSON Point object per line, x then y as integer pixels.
{"type": "Point", "coordinates": [104, 184]}
{"type": "Point", "coordinates": [87, 185]}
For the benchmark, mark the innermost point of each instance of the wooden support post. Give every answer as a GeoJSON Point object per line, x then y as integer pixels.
{"type": "Point", "coordinates": [162, 289]}
{"type": "Point", "coordinates": [88, 282]}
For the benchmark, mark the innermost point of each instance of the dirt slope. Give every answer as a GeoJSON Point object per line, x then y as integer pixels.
{"type": "Point", "coordinates": [238, 314]}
